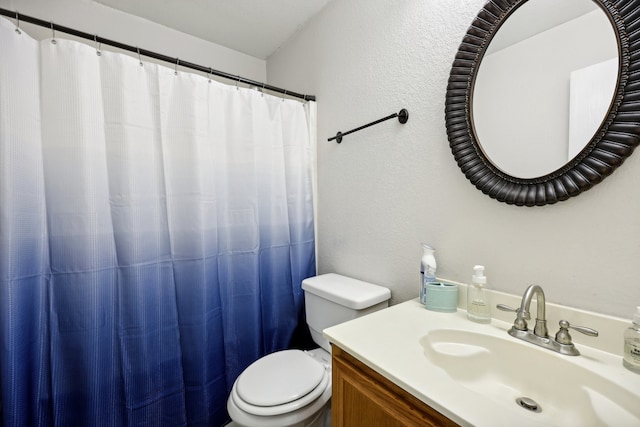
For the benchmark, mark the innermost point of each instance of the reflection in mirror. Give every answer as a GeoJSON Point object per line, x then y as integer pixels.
{"type": "Point", "coordinates": [544, 86]}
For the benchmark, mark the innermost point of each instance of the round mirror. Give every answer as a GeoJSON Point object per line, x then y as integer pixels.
{"type": "Point", "coordinates": [544, 85]}
{"type": "Point", "coordinates": [541, 102]}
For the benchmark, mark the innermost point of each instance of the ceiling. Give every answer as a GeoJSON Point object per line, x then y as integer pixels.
{"type": "Point", "coordinates": [255, 27]}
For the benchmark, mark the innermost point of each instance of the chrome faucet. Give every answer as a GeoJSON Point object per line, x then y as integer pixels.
{"type": "Point", "coordinates": [540, 334]}
{"type": "Point", "coordinates": [523, 315]}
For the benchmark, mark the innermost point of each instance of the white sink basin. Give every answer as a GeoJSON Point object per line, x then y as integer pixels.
{"type": "Point", "coordinates": [473, 373]}
{"type": "Point", "coordinates": [504, 369]}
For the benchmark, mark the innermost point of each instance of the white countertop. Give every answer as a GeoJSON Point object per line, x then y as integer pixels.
{"type": "Point", "coordinates": [391, 342]}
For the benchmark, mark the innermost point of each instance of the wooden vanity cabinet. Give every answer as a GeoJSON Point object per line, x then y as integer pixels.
{"type": "Point", "coordinates": [363, 398]}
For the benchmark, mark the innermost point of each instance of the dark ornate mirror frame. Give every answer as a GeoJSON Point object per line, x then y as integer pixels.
{"type": "Point", "coordinates": [616, 139]}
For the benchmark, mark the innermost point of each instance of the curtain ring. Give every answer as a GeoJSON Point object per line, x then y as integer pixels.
{"type": "Point", "coordinates": [285, 94]}
{"type": "Point", "coordinates": [209, 74]}
{"type": "Point", "coordinates": [53, 34]}
{"type": "Point", "coordinates": [18, 24]}
{"type": "Point", "coordinates": [263, 85]}
{"type": "Point", "coordinates": [175, 72]}
{"type": "Point", "coordinates": [95, 39]}
{"type": "Point", "coordinates": [139, 57]}
{"type": "Point", "coordinates": [237, 80]}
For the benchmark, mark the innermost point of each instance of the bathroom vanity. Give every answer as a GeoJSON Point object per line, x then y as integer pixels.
{"type": "Point", "coordinates": [408, 366]}
{"type": "Point", "coordinates": [363, 397]}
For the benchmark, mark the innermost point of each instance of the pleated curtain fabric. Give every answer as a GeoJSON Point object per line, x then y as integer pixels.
{"type": "Point", "coordinates": [154, 232]}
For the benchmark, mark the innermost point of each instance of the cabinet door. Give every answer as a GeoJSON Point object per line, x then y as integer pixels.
{"type": "Point", "coordinates": [363, 398]}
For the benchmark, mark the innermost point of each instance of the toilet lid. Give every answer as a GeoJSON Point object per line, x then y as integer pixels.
{"type": "Point", "coordinates": [279, 378]}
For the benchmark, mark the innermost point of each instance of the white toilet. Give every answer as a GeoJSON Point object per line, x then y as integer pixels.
{"type": "Point", "coordinates": [293, 387]}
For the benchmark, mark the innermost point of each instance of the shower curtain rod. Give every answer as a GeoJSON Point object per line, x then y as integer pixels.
{"type": "Point", "coordinates": [177, 61]}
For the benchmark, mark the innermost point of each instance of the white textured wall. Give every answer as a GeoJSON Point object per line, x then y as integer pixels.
{"type": "Point", "coordinates": [95, 18]}
{"type": "Point", "coordinates": [387, 188]}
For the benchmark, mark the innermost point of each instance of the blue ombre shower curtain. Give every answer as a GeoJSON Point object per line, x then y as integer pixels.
{"type": "Point", "coordinates": [154, 232]}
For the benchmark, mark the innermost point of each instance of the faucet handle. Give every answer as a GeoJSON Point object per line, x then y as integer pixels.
{"type": "Point", "coordinates": [563, 336]}
{"type": "Point", "coordinates": [520, 323]}
{"type": "Point", "coordinates": [505, 307]}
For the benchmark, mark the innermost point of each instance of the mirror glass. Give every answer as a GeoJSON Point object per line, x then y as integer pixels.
{"type": "Point", "coordinates": [544, 85]}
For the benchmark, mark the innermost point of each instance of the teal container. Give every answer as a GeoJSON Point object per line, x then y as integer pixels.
{"type": "Point", "coordinates": [442, 297]}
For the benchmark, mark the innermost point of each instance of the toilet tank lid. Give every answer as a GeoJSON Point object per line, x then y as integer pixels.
{"type": "Point", "coordinates": [346, 291]}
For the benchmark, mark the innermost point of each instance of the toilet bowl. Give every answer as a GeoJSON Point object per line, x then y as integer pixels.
{"type": "Point", "coordinates": [289, 388]}
{"type": "Point", "coordinates": [292, 388]}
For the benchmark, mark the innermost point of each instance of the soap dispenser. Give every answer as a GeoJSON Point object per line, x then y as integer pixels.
{"type": "Point", "coordinates": [631, 359]}
{"type": "Point", "coordinates": [478, 304]}
{"type": "Point", "coordinates": [427, 270]}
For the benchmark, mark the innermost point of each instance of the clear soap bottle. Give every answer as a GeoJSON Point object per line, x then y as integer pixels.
{"type": "Point", "coordinates": [478, 304]}
{"type": "Point", "coordinates": [427, 270]}
{"type": "Point", "coordinates": [631, 358]}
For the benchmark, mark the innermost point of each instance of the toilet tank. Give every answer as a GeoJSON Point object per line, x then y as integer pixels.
{"type": "Point", "coordinates": [331, 299]}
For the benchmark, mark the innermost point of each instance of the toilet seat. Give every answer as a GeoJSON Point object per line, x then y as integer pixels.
{"type": "Point", "coordinates": [279, 383]}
